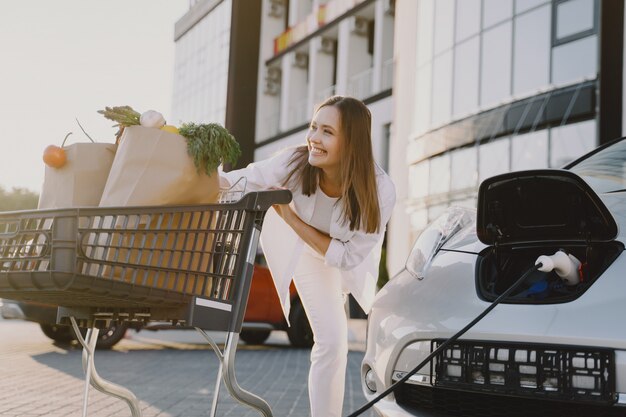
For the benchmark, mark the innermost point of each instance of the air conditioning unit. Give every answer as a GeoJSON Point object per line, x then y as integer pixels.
{"type": "Point", "coordinates": [300, 60]}
{"type": "Point", "coordinates": [358, 25]}
{"type": "Point", "coordinates": [327, 45]}
{"type": "Point", "coordinates": [272, 80]}
{"type": "Point", "coordinates": [276, 9]}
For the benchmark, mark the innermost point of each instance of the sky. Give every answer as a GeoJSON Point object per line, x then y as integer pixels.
{"type": "Point", "coordinates": [64, 60]}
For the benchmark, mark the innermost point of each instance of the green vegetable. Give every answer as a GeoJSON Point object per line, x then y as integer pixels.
{"type": "Point", "coordinates": [210, 145]}
{"type": "Point", "coordinates": [123, 115]}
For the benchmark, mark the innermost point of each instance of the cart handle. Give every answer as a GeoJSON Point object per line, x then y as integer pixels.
{"type": "Point", "coordinates": [8, 232]}
{"type": "Point", "coordinates": [263, 200]}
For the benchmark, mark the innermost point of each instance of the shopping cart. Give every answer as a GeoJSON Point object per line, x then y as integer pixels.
{"type": "Point", "coordinates": [184, 264]}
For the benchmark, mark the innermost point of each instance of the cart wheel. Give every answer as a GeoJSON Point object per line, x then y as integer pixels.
{"type": "Point", "coordinates": [299, 333]}
{"type": "Point", "coordinates": [58, 333]}
{"type": "Point", "coordinates": [109, 337]}
{"type": "Point", "coordinates": [254, 337]}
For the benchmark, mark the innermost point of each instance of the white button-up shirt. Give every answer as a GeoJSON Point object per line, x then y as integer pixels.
{"type": "Point", "coordinates": [354, 252]}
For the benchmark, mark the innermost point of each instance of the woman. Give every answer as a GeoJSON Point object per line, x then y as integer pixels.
{"type": "Point", "coordinates": [328, 239]}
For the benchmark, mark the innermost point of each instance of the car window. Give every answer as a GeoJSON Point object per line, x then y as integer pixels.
{"type": "Point", "coordinates": [605, 169]}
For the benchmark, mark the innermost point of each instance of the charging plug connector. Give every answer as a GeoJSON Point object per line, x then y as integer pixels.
{"type": "Point", "coordinates": [565, 265]}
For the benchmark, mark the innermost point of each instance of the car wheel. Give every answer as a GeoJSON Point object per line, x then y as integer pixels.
{"type": "Point", "coordinates": [60, 334]}
{"type": "Point", "coordinates": [299, 333]}
{"type": "Point", "coordinates": [254, 337]}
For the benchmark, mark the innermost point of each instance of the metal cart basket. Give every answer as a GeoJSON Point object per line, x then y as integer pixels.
{"type": "Point", "coordinates": [185, 264]}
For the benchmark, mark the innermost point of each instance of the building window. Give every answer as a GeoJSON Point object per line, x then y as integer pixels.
{"type": "Point", "coordinates": [495, 82]}
{"type": "Point", "coordinates": [529, 151]}
{"type": "Point", "coordinates": [444, 25]}
{"type": "Point", "coordinates": [442, 88]}
{"type": "Point", "coordinates": [496, 11]}
{"type": "Point", "coordinates": [575, 61]}
{"type": "Point", "coordinates": [494, 158]}
{"type": "Point", "coordinates": [439, 175]}
{"type": "Point", "coordinates": [570, 142]}
{"type": "Point", "coordinates": [531, 51]}
{"type": "Point", "coordinates": [574, 19]}
{"type": "Point", "coordinates": [464, 166]}
{"type": "Point", "coordinates": [419, 179]}
{"type": "Point", "coordinates": [423, 91]}
{"type": "Point", "coordinates": [425, 16]}
{"type": "Point", "coordinates": [467, 19]}
{"type": "Point", "coordinates": [466, 75]}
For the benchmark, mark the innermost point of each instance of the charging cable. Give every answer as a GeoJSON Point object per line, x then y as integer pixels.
{"type": "Point", "coordinates": [447, 343]}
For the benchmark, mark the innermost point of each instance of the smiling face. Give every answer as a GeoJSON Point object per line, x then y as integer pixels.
{"type": "Point", "coordinates": [324, 140]}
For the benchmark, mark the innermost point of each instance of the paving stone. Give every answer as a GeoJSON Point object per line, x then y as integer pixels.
{"type": "Point", "coordinates": [172, 373]}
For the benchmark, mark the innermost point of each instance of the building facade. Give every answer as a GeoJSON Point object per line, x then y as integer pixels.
{"type": "Point", "coordinates": [489, 86]}
{"type": "Point", "coordinates": [312, 49]}
{"type": "Point", "coordinates": [215, 68]}
{"type": "Point", "coordinates": [480, 87]}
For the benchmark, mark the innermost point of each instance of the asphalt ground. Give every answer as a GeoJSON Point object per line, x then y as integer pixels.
{"type": "Point", "coordinates": [172, 373]}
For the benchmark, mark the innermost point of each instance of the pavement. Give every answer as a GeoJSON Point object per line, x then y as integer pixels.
{"type": "Point", "coordinates": [172, 373]}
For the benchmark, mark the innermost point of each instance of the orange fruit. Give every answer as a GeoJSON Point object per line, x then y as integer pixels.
{"type": "Point", "coordinates": [54, 156]}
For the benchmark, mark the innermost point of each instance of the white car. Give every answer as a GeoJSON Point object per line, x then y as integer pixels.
{"type": "Point", "coordinates": [553, 346]}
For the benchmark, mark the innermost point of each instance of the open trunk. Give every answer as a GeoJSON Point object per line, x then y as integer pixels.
{"type": "Point", "coordinates": [524, 215]}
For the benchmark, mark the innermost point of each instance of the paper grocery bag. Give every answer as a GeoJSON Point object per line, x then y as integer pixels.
{"type": "Point", "coordinates": [81, 180]}
{"type": "Point", "coordinates": [152, 167]}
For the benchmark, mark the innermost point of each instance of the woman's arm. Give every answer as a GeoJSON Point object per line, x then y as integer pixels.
{"type": "Point", "coordinates": [261, 175]}
{"type": "Point", "coordinates": [317, 240]}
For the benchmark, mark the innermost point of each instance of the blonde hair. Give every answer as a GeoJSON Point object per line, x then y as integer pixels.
{"type": "Point", "coordinates": [359, 192]}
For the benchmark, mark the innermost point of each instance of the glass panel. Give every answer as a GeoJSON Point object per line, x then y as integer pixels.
{"type": "Point", "coordinates": [523, 5]}
{"type": "Point", "coordinates": [418, 179]}
{"type": "Point", "coordinates": [573, 17]}
{"type": "Point", "coordinates": [442, 88]}
{"type": "Point", "coordinates": [439, 177]}
{"type": "Point", "coordinates": [466, 73]}
{"type": "Point", "coordinates": [464, 168]}
{"type": "Point", "coordinates": [425, 17]}
{"type": "Point", "coordinates": [423, 91]}
{"type": "Point", "coordinates": [570, 142]}
{"type": "Point", "coordinates": [532, 51]}
{"type": "Point", "coordinates": [444, 25]}
{"type": "Point", "coordinates": [495, 83]}
{"type": "Point", "coordinates": [529, 151]}
{"type": "Point", "coordinates": [575, 60]}
{"type": "Point", "coordinates": [495, 11]}
{"type": "Point", "coordinates": [494, 158]}
{"type": "Point", "coordinates": [467, 19]}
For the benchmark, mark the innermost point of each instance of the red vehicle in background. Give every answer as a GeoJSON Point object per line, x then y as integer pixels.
{"type": "Point", "coordinates": [263, 314]}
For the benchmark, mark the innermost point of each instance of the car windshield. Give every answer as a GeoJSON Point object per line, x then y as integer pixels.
{"type": "Point", "coordinates": [604, 170]}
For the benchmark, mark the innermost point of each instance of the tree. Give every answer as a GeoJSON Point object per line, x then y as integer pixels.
{"type": "Point", "coordinates": [18, 199]}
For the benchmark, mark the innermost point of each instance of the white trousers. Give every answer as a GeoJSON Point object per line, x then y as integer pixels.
{"type": "Point", "coordinates": [320, 290]}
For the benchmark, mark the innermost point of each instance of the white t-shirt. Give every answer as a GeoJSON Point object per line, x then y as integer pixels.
{"type": "Point", "coordinates": [323, 211]}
